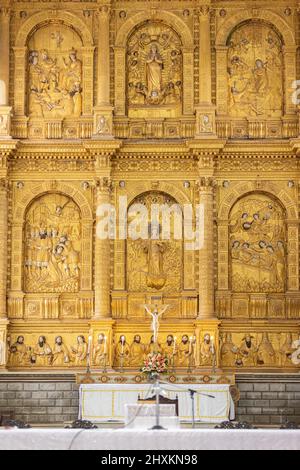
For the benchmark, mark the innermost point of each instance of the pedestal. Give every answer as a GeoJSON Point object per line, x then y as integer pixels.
{"type": "Point", "coordinates": [5, 122]}
{"type": "Point", "coordinates": [103, 122]}
{"type": "Point", "coordinates": [206, 122]}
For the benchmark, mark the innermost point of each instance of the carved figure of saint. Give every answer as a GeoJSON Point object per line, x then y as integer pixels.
{"type": "Point", "coordinates": [184, 352]}
{"type": "Point", "coordinates": [73, 72]}
{"type": "Point", "coordinates": [266, 353]}
{"type": "Point", "coordinates": [100, 351]}
{"type": "Point", "coordinates": [248, 351]}
{"type": "Point", "coordinates": [154, 66]}
{"type": "Point", "coordinates": [60, 355]}
{"type": "Point", "coordinates": [80, 351]}
{"type": "Point", "coordinates": [155, 249]}
{"type": "Point", "coordinates": [286, 350]}
{"type": "Point", "coordinates": [207, 351]}
{"type": "Point", "coordinates": [137, 352]}
{"type": "Point", "coordinates": [153, 347]}
{"type": "Point", "coordinates": [228, 352]}
{"type": "Point", "coordinates": [18, 352]}
{"type": "Point", "coordinates": [42, 353]}
{"type": "Point", "coordinates": [296, 354]}
{"type": "Point", "coordinates": [122, 352]}
{"type": "Point", "coordinates": [170, 349]}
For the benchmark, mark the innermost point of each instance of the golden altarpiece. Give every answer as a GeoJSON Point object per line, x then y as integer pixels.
{"type": "Point", "coordinates": [189, 102]}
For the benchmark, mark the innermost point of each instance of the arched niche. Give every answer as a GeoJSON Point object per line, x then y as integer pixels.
{"type": "Point", "coordinates": [270, 191]}
{"type": "Point", "coordinates": [30, 196]}
{"type": "Point", "coordinates": [281, 28]}
{"type": "Point", "coordinates": [257, 245]}
{"type": "Point", "coordinates": [180, 29]}
{"type": "Point", "coordinates": [154, 70]}
{"type": "Point", "coordinates": [255, 71]}
{"type": "Point", "coordinates": [155, 258]}
{"type": "Point", "coordinates": [52, 245]}
{"type": "Point", "coordinates": [54, 25]}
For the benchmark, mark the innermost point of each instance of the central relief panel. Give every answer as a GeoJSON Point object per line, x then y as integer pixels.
{"type": "Point", "coordinates": [55, 73]}
{"type": "Point", "coordinates": [154, 265]}
{"type": "Point", "coordinates": [52, 245]}
{"type": "Point", "coordinates": [154, 65]}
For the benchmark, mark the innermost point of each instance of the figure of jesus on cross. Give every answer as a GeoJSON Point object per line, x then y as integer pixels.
{"type": "Point", "coordinates": [155, 314]}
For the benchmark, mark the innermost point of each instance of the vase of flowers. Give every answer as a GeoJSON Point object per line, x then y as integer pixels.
{"type": "Point", "coordinates": [155, 364]}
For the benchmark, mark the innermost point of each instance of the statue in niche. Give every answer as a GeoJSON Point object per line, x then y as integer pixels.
{"type": "Point", "coordinates": [137, 352]}
{"type": "Point", "coordinates": [52, 245]}
{"type": "Point", "coordinates": [79, 352]}
{"type": "Point", "coordinates": [154, 66]}
{"type": "Point", "coordinates": [248, 352]}
{"type": "Point", "coordinates": [228, 352]}
{"type": "Point", "coordinates": [185, 352]}
{"type": "Point", "coordinates": [266, 353]}
{"type": "Point", "coordinates": [286, 350]}
{"type": "Point", "coordinates": [154, 264]}
{"type": "Point", "coordinates": [122, 352]}
{"type": "Point", "coordinates": [170, 349]}
{"type": "Point", "coordinates": [153, 346]}
{"type": "Point", "coordinates": [42, 353]}
{"type": "Point", "coordinates": [257, 239]}
{"type": "Point", "coordinates": [18, 353]}
{"type": "Point", "coordinates": [55, 82]}
{"type": "Point", "coordinates": [255, 78]}
{"type": "Point", "coordinates": [154, 73]}
{"type": "Point", "coordinates": [100, 351]}
{"type": "Point", "coordinates": [60, 354]}
{"type": "Point", "coordinates": [207, 351]}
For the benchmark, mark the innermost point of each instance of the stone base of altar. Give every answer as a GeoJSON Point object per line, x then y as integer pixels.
{"type": "Point", "coordinates": [53, 399]}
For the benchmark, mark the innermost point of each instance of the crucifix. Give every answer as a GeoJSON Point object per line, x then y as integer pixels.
{"type": "Point", "coordinates": [155, 314]}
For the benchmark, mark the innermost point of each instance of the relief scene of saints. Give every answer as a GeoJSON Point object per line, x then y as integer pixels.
{"type": "Point", "coordinates": [154, 61]}
{"type": "Point", "coordinates": [255, 77]}
{"type": "Point", "coordinates": [154, 264]}
{"type": "Point", "coordinates": [257, 244]}
{"type": "Point", "coordinates": [52, 245]}
{"type": "Point", "coordinates": [55, 76]}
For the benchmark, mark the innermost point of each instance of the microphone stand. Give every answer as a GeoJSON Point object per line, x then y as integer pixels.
{"type": "Point", "coordinates": [192, 393]}
{"type": "Point", "coordinates": [157, 389]}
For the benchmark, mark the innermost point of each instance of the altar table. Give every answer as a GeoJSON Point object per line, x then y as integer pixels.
{"type": "Point", "coordinates": [182, 439]}
{"type": "Point", "coordinates": [105, 402]}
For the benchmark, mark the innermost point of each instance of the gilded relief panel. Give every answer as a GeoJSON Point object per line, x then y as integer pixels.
{"type": "Point", "coordinates": [154, 265]}
{"type": "Point", "coordinates": [52, 245]}
{"type": "Point", "coordinates": [257, 245]}
{"type": "Point", "coordinates": [154, 64]}
{"type": "Point", "coordinates": [55, 73]}
{"type": "Point", "coordinates": [255, 72]}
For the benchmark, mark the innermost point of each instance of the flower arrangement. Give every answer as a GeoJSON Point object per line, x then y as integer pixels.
{"type": "Point", "coordinates": [155, 363]}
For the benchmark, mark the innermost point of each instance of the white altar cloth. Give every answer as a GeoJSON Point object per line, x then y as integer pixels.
{"type": "Point", "coordinates": [183, 439]}
{"type": "Point", "coordinates": [100, 403]}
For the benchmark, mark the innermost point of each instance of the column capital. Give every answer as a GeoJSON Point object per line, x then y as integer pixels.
{"type": "Point", "coordinates": [5, 13]}
{"type": "Point", "coordinates": [203, 11]}
{"type": "Point", "coordinates": [103, 186]}
{"type": "Point", "coordinates": [104, 12]}
{"type": "Point", "coordinates": [206, 184]}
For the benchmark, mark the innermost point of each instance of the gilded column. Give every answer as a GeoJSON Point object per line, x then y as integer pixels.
{"type": "Point", "coordinates": [103, 111]}
{"type": "Point", "coordinates": [5, 109]}
{"type": "Point", "coordinates": [205, 126]}
{"type": "Point", "coordinates": [206, 252]}
{"type": "Point", "coordinates": [3, 257]}
{"type": "Point", "coordinates": [102, 254]}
